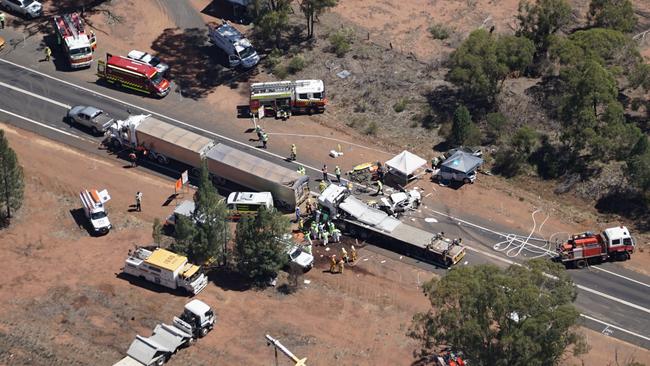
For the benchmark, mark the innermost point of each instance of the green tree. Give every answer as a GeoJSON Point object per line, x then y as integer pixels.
{"type": "Point", "coordinates": [638, 168]}
{"type": "Point", "coordinates": [498, 317]}
{"type": "Point", "coordinates": [312, 9]}
{"type": "Point", "coordinates": [12, 184]}
{"type": "Point", "coordinates": [539, 20]}
{"type": "Point", "coordinates": [515, 52]}
{"type": "Point", "coordinates": [260, 254]}
{"type": "Point", "coordinates": [614, 14]}
{"type": "Point", "coordinates": [475, 67]}
{"type": "Point", "coordinates": [463, 130]}
{"type": "Point", "coordinates": [204, 236]}
{"type": "Point", "coordinates": [510, 161]}
{"type": "Point", "coordinates": [496, 125]}
{"type": "Point", "coordinates": [270, 25]}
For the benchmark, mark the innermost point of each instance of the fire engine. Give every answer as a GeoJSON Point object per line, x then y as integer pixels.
{"type": "Point", "coordinates": [132, 74]}
{"type": "Point", "coordinates": [281, 98]}
{"type": "Point", "coordinates": [76, 43]}
{"type": "Point", "coordinates": [588, 247]}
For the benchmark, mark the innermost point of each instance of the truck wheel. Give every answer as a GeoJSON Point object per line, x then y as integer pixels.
{"type": "Point", "coordinates": [116, 144]}
{"type": "Point", "coordinates": [160, 361]}
{"type": "Point", "coordinates": [467, 181]}
{"type": "Point", "coordinates": [218, 180]}
{"type": "Point", "coordinates": [161, 159]}
{"type": "Point", "coordinates": [203, 332]}
{"type": "Point", "coordinates": [94, 130]}
{"type": "Point", "coordinates": [622, 256]}
{"type": "Point", "coordinates": [580, 264]}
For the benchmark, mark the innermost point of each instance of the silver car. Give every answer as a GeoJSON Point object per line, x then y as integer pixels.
{"type": "Point", "coordinates": [27, 8]}
{"type": "Point", "coordinates": [147, 58]}
{"type": "Point", "coordinates": [91, 117]}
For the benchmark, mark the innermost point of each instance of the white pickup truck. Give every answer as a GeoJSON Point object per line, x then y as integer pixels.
{"type": "Point", "coordinates": [195, 322]}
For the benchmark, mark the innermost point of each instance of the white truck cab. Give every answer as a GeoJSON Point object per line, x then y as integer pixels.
{"type": "Point", "coordinates": [197, 319]}
{"type": "Point", "coordinates": [238, 48]}
{"type": "Point", "coordinates": [93, 205]}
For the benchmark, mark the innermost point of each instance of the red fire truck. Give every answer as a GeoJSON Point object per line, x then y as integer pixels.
{"type": "Point", "coordinates": [132, 74]}
{"type": "Point", "coordinates": [282, 98]}
{"type": "Point", "coordinates": [72, 37]}
{"type": "Point", "coordinates": [588, 247]}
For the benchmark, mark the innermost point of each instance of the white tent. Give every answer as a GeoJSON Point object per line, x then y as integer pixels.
{"type": "Point", "coordinates": [405, 164]}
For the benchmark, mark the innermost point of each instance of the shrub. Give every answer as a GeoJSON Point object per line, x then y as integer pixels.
{"type": "Point", "coordinates": [341, 41]}
{"type": "Point", "coordinates": [400, 105]}
{"type": "Point", "coordinates": [280, 71]}
{"type": "Point", "coordinates": [439, 31]}
{"type": "Point", "coordinates": [296, 64]}
{"type": "Point", "coordinates": [372, 128]}
{"type": "Point", "coordinates": [274, 58]}
{"type": "Point", "coordinates": [496, 125]}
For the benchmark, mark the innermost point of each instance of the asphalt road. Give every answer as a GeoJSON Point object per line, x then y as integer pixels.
{"type": "Point", "coordinates": [611, 299]}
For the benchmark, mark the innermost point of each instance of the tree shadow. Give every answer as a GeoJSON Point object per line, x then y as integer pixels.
{"type": "Point", "coordinates": [196, 66]}
{"type": "Point", "coordinates": [226, 10]}
{"type": "Point", "coordinates": [229, 280]}
{"type": "Point", "coordinates": [626, 203]}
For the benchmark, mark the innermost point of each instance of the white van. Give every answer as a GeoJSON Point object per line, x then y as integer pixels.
{"type": "Point", "coordinates": [247, 203]}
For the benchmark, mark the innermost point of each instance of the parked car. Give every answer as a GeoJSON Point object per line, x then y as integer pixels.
{"type": "Point", "coordinates": [91, 117]}
{"type": "Point", "coordinates": [27, 8]}
{"type": "Point", "coordinates": [147, 58]}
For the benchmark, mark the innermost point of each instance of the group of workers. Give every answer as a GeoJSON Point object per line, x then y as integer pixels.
{"type": "Point", "coordinates": [337, 265]}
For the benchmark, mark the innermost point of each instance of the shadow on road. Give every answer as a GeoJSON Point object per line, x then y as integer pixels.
{"type": "Point", "coordinates": [197, 67]}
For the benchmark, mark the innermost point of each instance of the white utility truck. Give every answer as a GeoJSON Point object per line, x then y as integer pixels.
{"type": "Point", "coordinates": [94, 209]}
{"type": "Point", "coordinates": [239, 49]}
{"type": "Point", "coordinates": [355, 217]}
{"type": "Point", "coordinates": [166, 268]}
{"type": "Point", "coordinates": [195, 322]}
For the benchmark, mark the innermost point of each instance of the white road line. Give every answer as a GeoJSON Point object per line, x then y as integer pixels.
{"type": "Point", "coordinates": [154, 113]}
{"type": "Point", "coordinates": [43, 125]}
{"type": "Point", "coordinates": [619, 275]}
{"type": "Point", "coordinates": [615, 327]}
{"type": "Point", "coordinates": [36, 95]}
{"type": "Point", "coordinates": [610, 297]}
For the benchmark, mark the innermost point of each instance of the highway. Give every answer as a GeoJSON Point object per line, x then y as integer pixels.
{"type": "Point", "coordinates": [612, 300]}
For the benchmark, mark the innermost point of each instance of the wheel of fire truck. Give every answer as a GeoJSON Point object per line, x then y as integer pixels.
{"type": "Point", "coordinates": [581, 263]}
{"type": "Point", "coordinates": [622, 256]}
{"type": "Point", "coordinates": [310, 111]}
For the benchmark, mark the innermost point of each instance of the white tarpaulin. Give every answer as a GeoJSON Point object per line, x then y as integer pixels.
{"type": "Point", "coordinates": [406, 163]}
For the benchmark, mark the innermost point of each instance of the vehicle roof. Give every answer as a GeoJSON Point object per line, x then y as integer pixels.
{"type": "Point", "coordinates": [185, 208]}
{"type": "Point", "coordinates": [617, 232]}
{"type": "Point", "coordinates": [165, 259]}
{"type": "Point", "coordinates": [90, 110]}
{"type": "Point", "coordinates": [309, 86]}
{"type": "Point", "coordinates": [229, 32]}
{"type": "Point", "coordinates": [174, 135]}
{"type": "Point", "coordinates": [131, 65]}
{"type": "Point", "coordinates": [197, 307]}
{"type": "Point", "coordinates": [138, 55]}
{"type": "Point", "coordinates": [248, 197]}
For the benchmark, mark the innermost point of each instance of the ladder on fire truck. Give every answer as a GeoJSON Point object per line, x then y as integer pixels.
{"type": "Point", "coordinates": [70, 25]}
{"type": "Point", "coordinates": [276, 86]}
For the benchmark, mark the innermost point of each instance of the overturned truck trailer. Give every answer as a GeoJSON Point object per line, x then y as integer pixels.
{"type": "Point", "coordinates": [362, 221]}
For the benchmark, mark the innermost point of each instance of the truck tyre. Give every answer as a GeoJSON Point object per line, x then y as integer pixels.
{"type": "Point", "coordinates": [581, 263]}
{"type": "Point", "coordinates": [160, 361]}
{"type": "Point", "coordinates": [217, 180]}
{"type": "Point", "coordinates": [467, 181]}
{"type": "Point", "coordinates": [161, 159]}
{"type": "Point", "coordinates": [116, 143]}
{"type": "Point", "coordinates": [622, 256]}
{"type": "Point", "coordinates": [94, 130]}
{"type": "Point", "coordinates": [203, 332]}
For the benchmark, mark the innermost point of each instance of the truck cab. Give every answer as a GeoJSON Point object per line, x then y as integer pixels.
{"type": "Point", "coordinates": [619, 242]}
{"type": "Point", "coordinates": [197, 319]}
{"type": "Point", "coordinates": [239, 50]}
